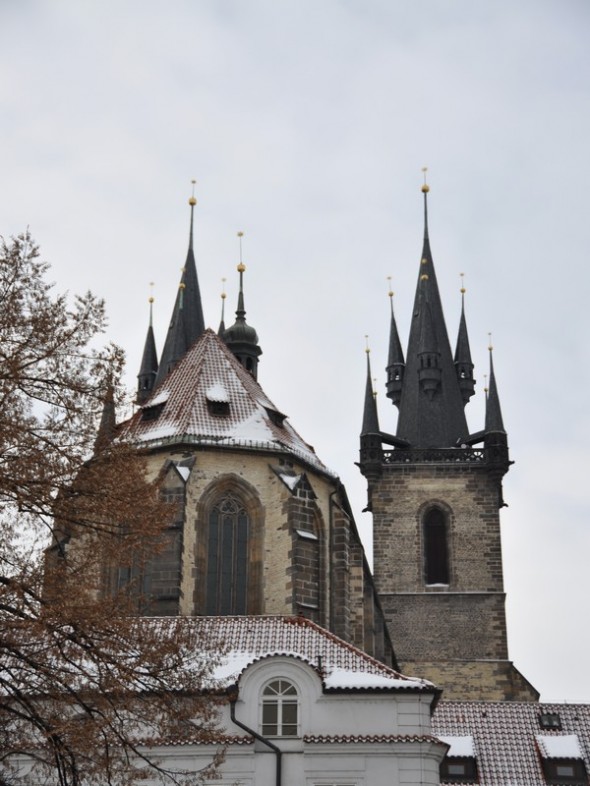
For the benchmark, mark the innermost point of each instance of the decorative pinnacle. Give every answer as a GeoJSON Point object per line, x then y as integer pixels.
{"type": "Point", "coordinates": [192, 201]}
{"type": "Point", "coordinates": [391, 293]}
{"type": "Point", "coordinates": [367, 350]}
{"type": "Point", "coordinates": [151, 297]}
{"type": "Point", "coordinates": [485, 384]}
{"type": "Point", "coordinates": [490, 347]}
{"type": "Point", "coordinates": [241, 266]}
{"type": "Point", "coordinates": [375, 388]}
{"type": "Point", "coordinates": [223, 295]}
{"type": "Point", "coordinates": [462, 283]}
{"type": "Point", "coordinates": [425, 186]}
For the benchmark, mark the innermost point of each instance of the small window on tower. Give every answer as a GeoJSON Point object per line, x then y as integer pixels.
{"type": "Point", "coordinates": [436, 550]}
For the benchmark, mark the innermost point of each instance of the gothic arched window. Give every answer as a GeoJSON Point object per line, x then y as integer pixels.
{"type": "Point", "coordinates": [227, 557]}
{"type": "Point", "coordinates": [436, 548]}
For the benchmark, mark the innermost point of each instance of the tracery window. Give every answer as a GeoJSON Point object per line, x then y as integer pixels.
{"type": "Point", "coordinates": [227, 557]}
{"type": "Point", "coordinates": [280, 709]}
{"type": "Point", "coordinates": [436, 548]}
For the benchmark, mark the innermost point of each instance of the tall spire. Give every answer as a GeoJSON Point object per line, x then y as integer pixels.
{"type": "Point", "coordinates": [370, 416]}
{"type": "Point", "coordinates": [494, 422]}
{"type": "Point", "coordinates": [395, 362]}
{"type": "Point", "coordinates": [463, 363]}
{"type": "Point", "coordinates": [149, 362]}
{"type": "Point", "coordinates": [241, 339]}
{"type": "Point", "coordinates": [187, 322]}
{"type": "Point", "coordinates": [431, 406]}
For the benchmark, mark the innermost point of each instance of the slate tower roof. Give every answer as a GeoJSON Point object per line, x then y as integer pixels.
{"type": "Point", "coordinates": [187, 322]}
{"type": "Point", "coordinates": [431, 405]}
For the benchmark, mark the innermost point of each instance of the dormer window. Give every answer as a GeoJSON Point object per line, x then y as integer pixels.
{"type": "Point", "coordinates": [562, 760]}
{"type": "Point", "coordinates": [217, 400]}
{"type": "Point", "coordinates": [275, 416]}
{"type": "Point", "coordinates": [218, 408]}
{"type": "Point", "coordinates": [459, 765]}
{"type": "Point", "coordinates": [153, 412]}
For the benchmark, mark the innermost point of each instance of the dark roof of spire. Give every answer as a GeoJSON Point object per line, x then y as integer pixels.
{"type": "Point", "coordinates": [187, 322]}
{"type": "Point", "coordinates": [437, 420]}
{"type": "Point", "coordinates": [108, 419]}
{"type": "Point", "coordinates": [149, 360]}
{"type": "Point", "coordinates": [240, 332]}
{"type": "Point", "coordinates": [396, 353]}
{"type": "Point", "coordinates": [494, 422]}
{"type": "Point", "coordinates": [462, 350]}
{"type": "Point", "coordinates": [370, 416]}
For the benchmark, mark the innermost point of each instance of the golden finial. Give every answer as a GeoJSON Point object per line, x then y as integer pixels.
{"type": "Point", "coordinates": [151, 297]}
{"type": "Point", "coordinates": [485, 384]}
{"type": "Point", "coordinates": [391, 292]}
{"type": "Point", "coordinates": [223, 295]}
{"type": "Point", "coordinates": [462, 283]}
{"type": "Point", "coordinates": [192, 201]}
{"type": "Point", "coordinates": [425, 186]}
{"type": "Point", "coordinates": [490, 347]}
{"type": "Point", "coordinates": [241, 266]}
{"type": "Point", "coordinates": [367, 350]}
{"type": "Point", "coordinates": [182, 285]}
{"type": "Point", "coordinates": [375, 387]}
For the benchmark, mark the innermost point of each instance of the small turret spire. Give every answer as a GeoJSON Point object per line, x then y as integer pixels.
{"type": "Point", "coordinates": [463, 363]}
{"type": "Point", "coordinates": [241, 338]}
{"type": "Point", "coordinates": [370, 416]}
{"type": "Point", "coordinates": [395, 362]}
{"type": "Point", "coordinates": [187, 322]}
{"type": "Point", "coordinates": [108, 419]}
{"type": "Point", "coordinates": [149, 361]}
{"type": "Point", "coordinates": [221, 329]}
{"type": "Point", "coordinates": [494, 421]}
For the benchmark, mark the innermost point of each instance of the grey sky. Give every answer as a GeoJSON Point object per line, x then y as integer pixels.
{"type": "Point", "coordinates": [306, 124]}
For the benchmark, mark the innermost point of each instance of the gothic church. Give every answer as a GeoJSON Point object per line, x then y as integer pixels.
{"type": "Point", "coordinates": [264, 528]}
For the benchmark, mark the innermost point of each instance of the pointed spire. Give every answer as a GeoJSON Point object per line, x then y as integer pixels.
{"type": "Point", "coordinates": [370, 416]}
{"type": "Point", "coordinates": [494, 422]}
{"type": "Point", "coordinates": [221, 329]}
{"type": "Point", "coordinates": [149, 362]}
{"type": "Point", "coordinates": [463, 363]}
{"type": "Point", "coordinates": [431, 406]}
{"type": "Point", "coordinates": [240, 338]}
{"type": "Point", "coordinates": [108, 419]}
{"type": "Point", "coordinates": [395, 362]}
{"type": "Point", "coordinates": [187, 322]}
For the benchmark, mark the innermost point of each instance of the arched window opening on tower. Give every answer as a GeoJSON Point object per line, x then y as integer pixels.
{"type": "Point", "coordinates": [436, 549]}
{"type": "Point", "coordinates": [227, 558]}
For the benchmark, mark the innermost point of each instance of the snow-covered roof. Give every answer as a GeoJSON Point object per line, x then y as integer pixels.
{"type": "Point", "coordinates": [341, 666]}
{"type": "Point", "coordinates": [459, 746]}
{"type": "Point", "coordinates": [209, 374]}
{"type": "Point", "coordinates": [509, 741]}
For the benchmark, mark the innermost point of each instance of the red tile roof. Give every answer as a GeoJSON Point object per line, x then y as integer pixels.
{"type": "Point", "coordinates": [505, 736]}
{"type": "Point", "coordinates": [209, 372]}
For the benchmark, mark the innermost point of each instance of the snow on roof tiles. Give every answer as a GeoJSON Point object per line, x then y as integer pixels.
{"type": "Point", "coordinates": [248, 640]}
{"type": "Point", "coordinates": [506, 736]}
{"type": "Point", "coordinates": [209, 372]}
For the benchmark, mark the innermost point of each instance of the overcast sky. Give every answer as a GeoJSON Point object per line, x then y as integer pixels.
{"type": "Point", "coordinates": [306, 124]}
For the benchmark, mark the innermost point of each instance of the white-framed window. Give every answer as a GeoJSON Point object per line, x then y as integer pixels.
{"type": "Point", "coordinates": [280, 709]}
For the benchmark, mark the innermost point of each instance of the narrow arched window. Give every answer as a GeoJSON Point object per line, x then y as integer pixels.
{"type": "Point", "coordinates": [227, 558]}
{"type": "Point", "coordinates": [436, 549]}
{"type": "Point", "coordinates": [280, 709]}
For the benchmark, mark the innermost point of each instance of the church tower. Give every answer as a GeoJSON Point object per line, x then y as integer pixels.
{"type": "Point", "coordinates": [435, 492]}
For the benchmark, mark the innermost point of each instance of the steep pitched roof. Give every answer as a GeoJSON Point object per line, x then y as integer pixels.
{"type": "Point", "coordinates": [430, 417]}
{"type": "Point", "coordinates": [210, 399]}
{"type": "Point", "coordinates": [509, 742]}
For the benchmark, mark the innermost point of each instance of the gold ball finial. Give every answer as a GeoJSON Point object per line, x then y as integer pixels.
{"type": "Point", "coordinates": [192, 201]}
{"type": "Point", "coordinates": [425, 186]}
{"type": "Point", "coordinates": [367, 349]}
{"type": "Point", "coordinates": [490, 346]}
{"type": "Point", "coordinates": [151, 299]}
{"type": "Point", "coordinates": [240, 234]}
{"type": "Point", "coordinates": [223, 295]}
{"type": "Point", "coordinates": [391, 293]}
{"type": "Point", "coordinates": [463, 290]}
{"type": "Point", "coordinates": [241, 267]}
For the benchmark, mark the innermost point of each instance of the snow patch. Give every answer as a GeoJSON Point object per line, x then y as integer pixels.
{"type": "Point", "coordinates": [344, 678]}
{"type": "Point", "coordinates": [217, 392]}
{"type": "Point", "coordinates": [560, 746]}
{"type": "Point", "coordinates": [290, 481]}
{"type": "Point", "coordinates": [459, 746]}
{"type": "Point", "coordinates": [306, 535]}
